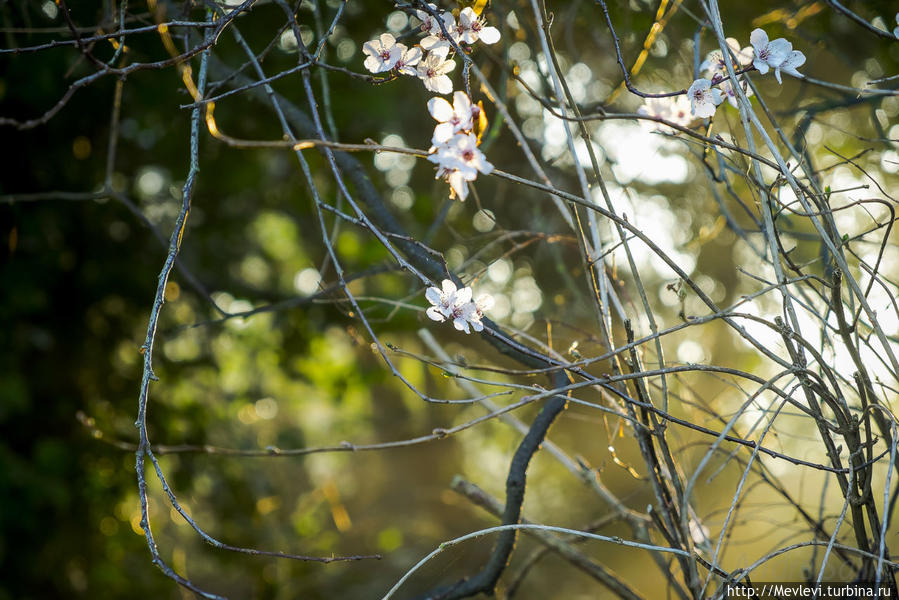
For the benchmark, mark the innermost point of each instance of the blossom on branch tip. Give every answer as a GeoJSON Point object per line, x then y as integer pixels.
{"type": "Point", "coordinates": [383, 53]}
{"type": "Point", "coordinates": [704, 99]}
{"type": "Point", "coordinates": [714, 63]}
{"type": "Point", "coordinates": [443, 300]}
{"type": "Point", "coordinates": [794, 59]}
{"type": "Point", "coordinates": [451, 118]}
{"type": "Point", "coordinates": [450, 302]}
{"type": "Point", "coordinates": [674, 109]}
{"type": "Point", "coordinates": [433, 71]}
{"type": "Point", "coordinates": [471, 28]}
{"type": "Point", "coordinates": [768, 54]}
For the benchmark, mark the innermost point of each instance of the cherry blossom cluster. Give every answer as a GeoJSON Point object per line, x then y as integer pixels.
{"type": "Point", "coordinates": [455, 145]}
{"type": "Point", "coordinates": [777, 54]}
{"type": "Point", "coordinates": [704, 95]}
{"type": "Point", "coordinates": [429, 60]}
{"type": "Point", "coordinates": [457, 305]}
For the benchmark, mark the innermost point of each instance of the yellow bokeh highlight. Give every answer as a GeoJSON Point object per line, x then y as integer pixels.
{"type": "Point", "coordinates": [172, 291]}
{"type": "Point", "coordinates": [268, 504]}
{"type": "Point", "coordinates": [81, 147]}
{"type": "Point", "coordinates": [338, 510]}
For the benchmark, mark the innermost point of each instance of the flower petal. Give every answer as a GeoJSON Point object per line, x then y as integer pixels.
{"type": "Point", "coordinates": [459, 185]}
{"type": "Point", "coordinates": [489, 35]}
{"type": "Point", "coordinates": [440, 109]}
{"type": "Point", "coordinates": [433, 295]}
{"type": "Point", "coordinates": [461, 104]}
{"type": "Point", "coordinates": [433, 43]}
{"type": "Point", "coordinates": [795, 59]}
{"type": "Point", "coordinates": [442, 133]}
{"type": "Point", "coordinates": [759, 39]}
{"type": "Point", "coordinates": [412, 56]}
{"type": "Point", "coordinates": [435, 314]}
{"type": "Point", "coordinates": [438, 53]}
{"type": "Point", "coordinates": [778, 51]}
{"type": "Point", "coordinates": [442, 84]}
{"type": "Point", "coordinates": [372, 47]}
{"type": "Point", "coordinates": [467, 17]}
{"type": "Point", "coordinates": [373, 64]}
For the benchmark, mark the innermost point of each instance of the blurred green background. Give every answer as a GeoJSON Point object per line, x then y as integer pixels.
{"type": "Point", "coordinates": [78, 278]}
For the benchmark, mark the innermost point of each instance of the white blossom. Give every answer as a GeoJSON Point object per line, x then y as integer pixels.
{"type": "Point", "coordinates": [431, 25]}
{"type": "Point", "coordinates": [896, 31]}
{"type": "Point", "coordinates": [704, 98]}
{"type": "Point", "coordinates": [466, 315]}
{"type": "Point", "coordinates": [714, 63]}
{"type": "Point", "coordinates": [674, 109]}
{"type": "Point", "coordinates": [768, 54]}
{"type": "Point", "coordinates": [451, 118]}
{"type": "Point", "coordinates": [408, 61]}
{"type": "Point", "coordinates": [433, 71]}
{"type": "Point", "coordinates": [461, 152]}
{"type": "Point", "coordinates": [383, 53]}
{"type": "Point", "coordinates": [656, 107]}
{"type": "Point", "coordinates": [794, 59]}
{"type": "Point", "coordinates": [443, 300]}
{"type": "Point", "coordinates": [459, 161]}
{"type": "Point", "coordinates": [449, 302]}
{"type": "Point", "coordinates": [457, 182]}
{"type": "Point", "coordinates": [471, 28]}
{"type": "Point", "coordinates": [681, 111]}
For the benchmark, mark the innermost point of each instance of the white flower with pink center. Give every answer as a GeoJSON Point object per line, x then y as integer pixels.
{"type": "Point", "coordinates": [431, 25]}
{"type": "Point", "coordinates": [461, 152]}
{"type": "Point", "coordinates": [433, 71]}
{"type": "Point", "coordinates": [704, 99]}
{"type": "Point", "coordinates": [408, 61]}
{"type": "Point", "coordinates": [472, 28]}
{"type": "Point", "coordinates": [768, 54]}
{"type": "Point", "coordinates": [450, 302]}
{"type": "Point", "coordinates": [451, 118]}
{"type": "Point", "coordinates": [383, 53]}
